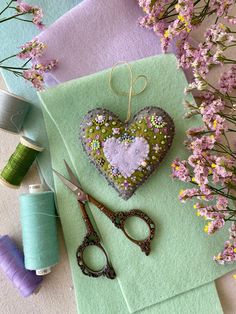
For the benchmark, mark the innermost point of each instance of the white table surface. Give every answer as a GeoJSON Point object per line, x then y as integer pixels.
{"type": "Point", "coordinates": [56, 295]}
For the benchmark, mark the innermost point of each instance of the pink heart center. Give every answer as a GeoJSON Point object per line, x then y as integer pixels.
{"type": "Point", "coordinates": [126, 156]}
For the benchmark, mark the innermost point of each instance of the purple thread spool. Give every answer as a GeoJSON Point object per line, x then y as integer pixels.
{"type": "Point", "coordinates": [12, 263]}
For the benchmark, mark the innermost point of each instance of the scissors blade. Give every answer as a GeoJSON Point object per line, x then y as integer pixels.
{"type": "Point", "coordinates": [80, 194]}
{"type": "Point", "coordinates": [75, 189]}
{"type": "Point", "coordinates": [73, 178]}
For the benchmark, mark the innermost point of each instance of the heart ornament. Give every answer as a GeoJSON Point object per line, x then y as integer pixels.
{"type": "Point", "coordinates": [126, 154]}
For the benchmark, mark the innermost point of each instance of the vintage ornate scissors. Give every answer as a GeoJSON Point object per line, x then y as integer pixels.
{"type": "Point", "coordinates": [91, 238]}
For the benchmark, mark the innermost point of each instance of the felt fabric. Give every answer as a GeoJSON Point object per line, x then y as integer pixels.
{"type": "Point", "coordinates": [181, 257]}
{"type": "Point", "coordinates": [105, 296]}
{"type": "Point", "coordinates": [13, 34]}
{"type": "Point", "coordinates": [113, 34]}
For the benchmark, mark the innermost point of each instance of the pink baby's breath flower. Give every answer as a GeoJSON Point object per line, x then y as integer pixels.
{"type": "Point", "coordinates": [210, 108]}
{"type": "Point", "coordinates": [218, 34]}
{"type": "Point", "coordinates": [218, 126]}
{"type": "Point", "coordinates": [228, 255]}
{"type": "Point", "coordinates": [227, 80]}
{"type": "Point", "coordinates": [222, 203]}
{"type": "Point", "coordinates": [50, 65]}
{"type": "Point", "coordinates": [215, 225]}
{"type": "Point", "coordinates": [37, 19]}
{"type": "Point", "coordinates": [185, 54]}
{"type": "Point", "coordinates": [222, 170]}
{"type": "Point", "coordinates": [231, 19]}
{"type": "Point", "coordinates": [202, 60]}
{"type": "Point", "coordinates": [180, 170]}
{"type": "Point", "coordinates": [187, 194]}
{"type": "Point", "coordinates": [23, 7]}
{"type": "Point", "coordinates": [207, 194]}
{"type": "Point", "coordinates": [232, 232]}
{"type": "Point", "coordinates": [32, 49]}
{"type": "Point", "coordinates": [214, 121]}
{"type": "Point", "coordinates": [201, 173]}
{"type": "Point", "coordinates": [35, 75]}
{"type": "Point", "coordinates": [211, 165]}
{"type": "Point", "coordinates": [201, 144]}
{"type": "Point", "coordinates": [221, 6]}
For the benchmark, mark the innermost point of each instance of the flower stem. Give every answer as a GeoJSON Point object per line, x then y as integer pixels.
{"type": "Point", "coordinates": [11, 17]}
{"type": "Point", "coordinates": [13, 68]}
{"type": "Point", "coordinates": [7, 58]}
{"type": "Point", "coordinates": [29, 21]}
{"type": "Point", "coordinates": [26, 62]}
{"type": "Point", "coordinates": [6, 7]}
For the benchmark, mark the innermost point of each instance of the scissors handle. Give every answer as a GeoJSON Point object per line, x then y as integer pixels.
{"type": "Point", "coordinates": [119, 219]}
{"type": "Point", "coordinates": [92, 238]}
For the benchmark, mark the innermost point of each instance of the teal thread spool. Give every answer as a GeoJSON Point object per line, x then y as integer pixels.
{"type": "Point", "coordinates": [39, 230]}
{"type": "Point", "coordinates": [19, 163]}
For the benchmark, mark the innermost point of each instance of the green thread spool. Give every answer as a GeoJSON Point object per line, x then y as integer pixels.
{"type": "Point", "coordinates": [39, 230]}
{"type": "Point", "coordinates": [19, 163]}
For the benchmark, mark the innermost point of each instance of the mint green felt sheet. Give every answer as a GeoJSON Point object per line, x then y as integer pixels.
{"type": "Point", "coordinates": [105, 297]}
{"type": "Point", "coordinates": [181, 259]}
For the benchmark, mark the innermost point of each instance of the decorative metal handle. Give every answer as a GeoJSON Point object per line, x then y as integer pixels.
{"type": "Point", "coordinates": [92, 238]}
{"type": "Point", "coordinates": [108, 271]}
{"type": "Point", "coordinates": [119, 220]}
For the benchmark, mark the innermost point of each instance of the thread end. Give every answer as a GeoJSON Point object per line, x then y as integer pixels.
{"type": "Point", "coordinates": [36, 188]}
{"type": "Point", "coordinates": [43, 271]}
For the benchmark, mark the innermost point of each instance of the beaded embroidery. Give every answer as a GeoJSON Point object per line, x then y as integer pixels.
{"type": "Point", "coordinates": [127, 153]}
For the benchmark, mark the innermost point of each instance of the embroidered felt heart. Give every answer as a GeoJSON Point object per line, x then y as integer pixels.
{"type": "Point", "coordinates": [127, 153]}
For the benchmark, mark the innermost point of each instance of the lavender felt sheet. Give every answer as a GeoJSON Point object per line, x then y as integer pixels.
{"type": "Point", "coordinates": [90, 38]}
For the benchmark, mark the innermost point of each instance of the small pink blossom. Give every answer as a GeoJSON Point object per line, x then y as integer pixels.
{"type": "Point", "coordinates": [32, 49]}
{"type": "Point", "coordinates": [209, 109]}
{"type": "Point", "coordinates": [221, 6]}
{"type": "Point", "coordinates": [188, 194]}
{"type": "Point", "coordinates": [231, 19]}
{"type": "Point", "coordinates": [221, 170]}
{"type": "Point", "coordinates": [35, 75]}
{"type": "Point", "coordinates": [222, 203]}
{"type": "Point", "coordinates": [214, 225]}
{"type": "Point", "coordinates": [201, 144]}
{"type": "Point", "coordinates": [24, 8]}
{"type": "Point", "coordinates": [227, 80]}
{"type": "Point", "coordinates": [207, 194]}
{"type": "Point", "coordinates": [218, 34]}
{"type": "Point", "coordinates": [228, 255]}
{"type": "Point", "coordinates": [180, 170]}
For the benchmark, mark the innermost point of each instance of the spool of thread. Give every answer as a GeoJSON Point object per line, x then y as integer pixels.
{"type": "Point", "coordinates": [39, 230]}
{"type": "Point", "coordinates": [13, 110]}
{"type": "Point", "coordinates": [19, 163]}
{"type": "Point", "coordinates": [12, 263]}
